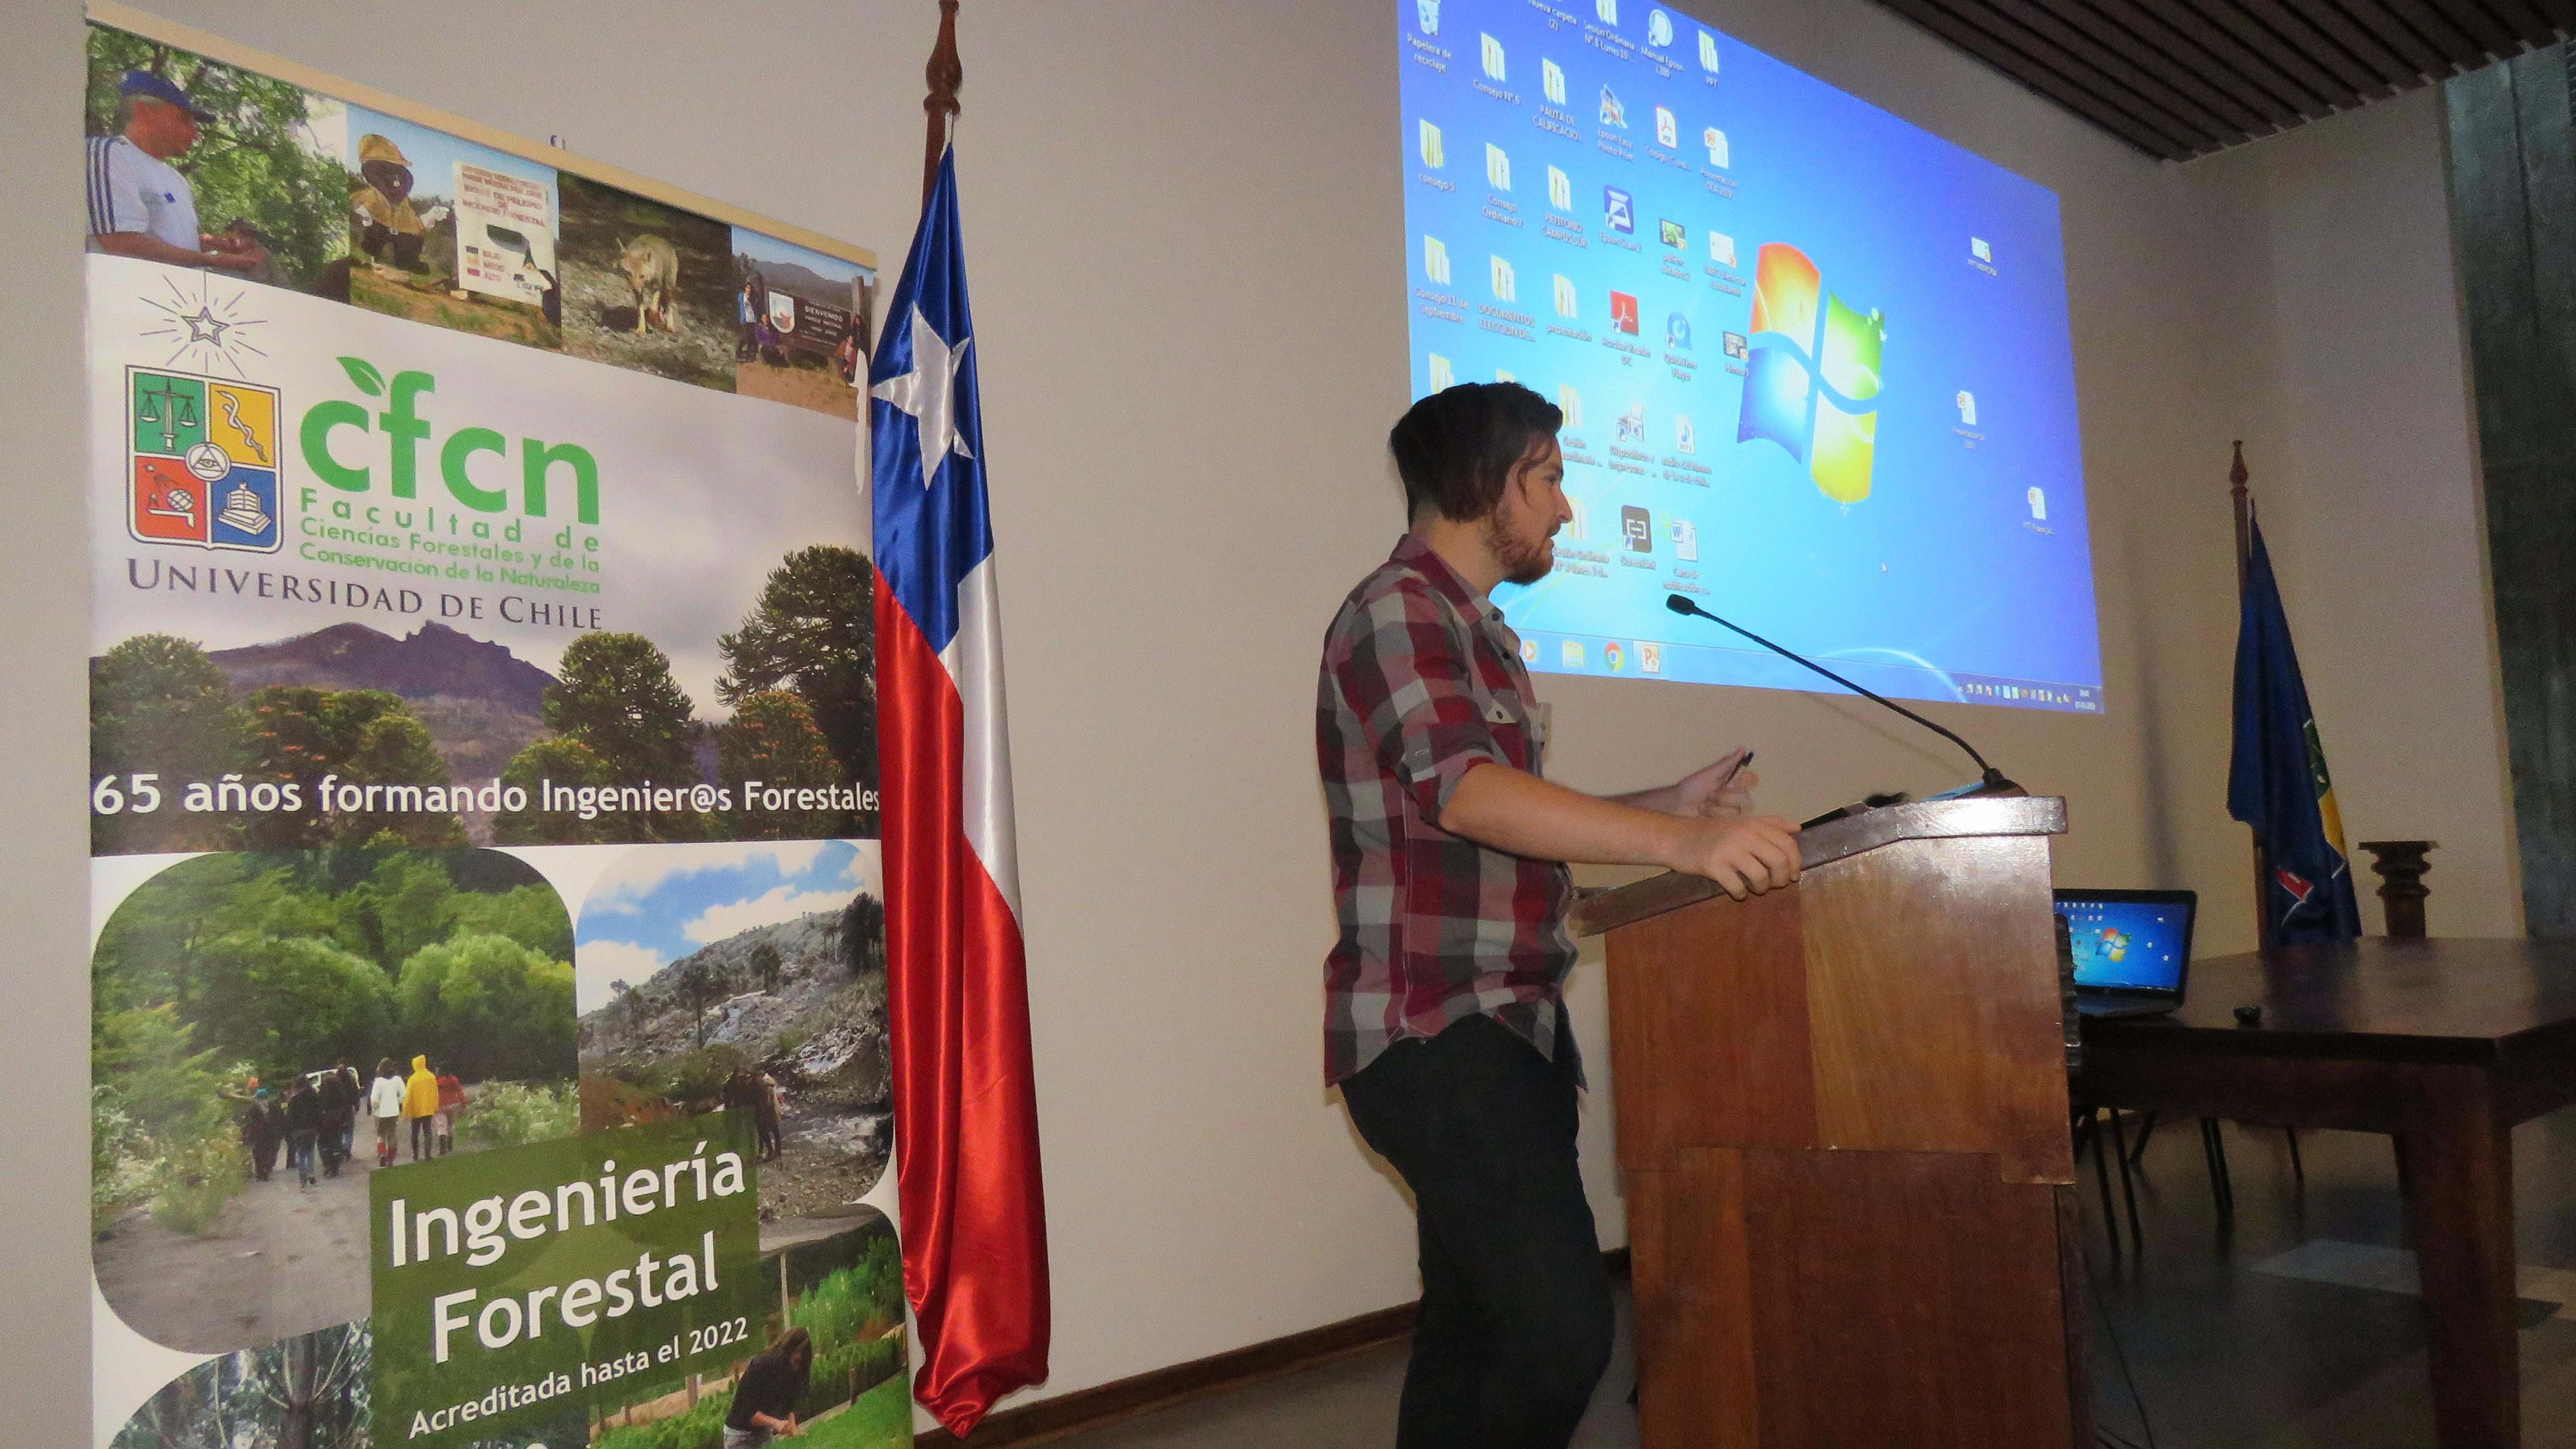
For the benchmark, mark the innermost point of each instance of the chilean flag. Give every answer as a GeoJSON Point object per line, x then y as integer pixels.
{"type": "Point", "coordinates": [965, 1098]}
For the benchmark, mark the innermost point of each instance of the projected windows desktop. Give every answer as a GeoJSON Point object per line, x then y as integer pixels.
{"type": "Point", "coordinates": [1814, 361]}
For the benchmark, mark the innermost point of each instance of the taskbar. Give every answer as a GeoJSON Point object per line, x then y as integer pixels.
{"type": "Point", "coordinates": [1602, 656]}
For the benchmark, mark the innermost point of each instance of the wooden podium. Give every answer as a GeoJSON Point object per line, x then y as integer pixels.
{"type": "Point", "coordinates": [1844, 1128]}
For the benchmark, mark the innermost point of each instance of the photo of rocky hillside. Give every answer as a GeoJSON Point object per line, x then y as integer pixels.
{"type": "Point", "coordinates": [779, 1016]}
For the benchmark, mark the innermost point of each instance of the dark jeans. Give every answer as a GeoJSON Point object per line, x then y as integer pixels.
{"type": "Point", "coordinates": [424, 1137]}
{"type": "Point", "coordinates": [1516, 1317]}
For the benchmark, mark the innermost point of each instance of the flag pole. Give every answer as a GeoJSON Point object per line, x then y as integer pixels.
{"type": "Point", "coordinates": [2243, 503]}
{"type": "Point", "coordinates": [945, 73]}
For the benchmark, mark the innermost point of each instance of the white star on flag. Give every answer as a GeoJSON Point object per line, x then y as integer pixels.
{"type": "Point", "coordinates": [929, 393]}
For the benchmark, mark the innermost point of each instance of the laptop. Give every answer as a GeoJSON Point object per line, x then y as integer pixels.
{"type": "Point", "coordinates": [2132, 949]}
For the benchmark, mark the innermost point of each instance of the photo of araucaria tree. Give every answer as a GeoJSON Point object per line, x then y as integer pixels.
{"type": "Point", "coordinates": [800, 677]}
{"type": "Point", "coordinates": [312, 1391]}
{"type": "Point", "coordinates": [349, 736]}
{"type": "Point", "coordinates": [271, 1028]}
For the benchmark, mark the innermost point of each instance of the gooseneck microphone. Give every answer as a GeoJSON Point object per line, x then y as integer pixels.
{"type": "Point", "coordinates": [1991, 777]}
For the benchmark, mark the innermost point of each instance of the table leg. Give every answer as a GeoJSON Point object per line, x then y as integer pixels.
{"type": "Point", "coordinates": [2457, 1166]}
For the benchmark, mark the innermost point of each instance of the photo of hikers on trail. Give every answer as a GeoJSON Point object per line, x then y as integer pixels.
{"type": "Point", "coordinates": [270, 1029]}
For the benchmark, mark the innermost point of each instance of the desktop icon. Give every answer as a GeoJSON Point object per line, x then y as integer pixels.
{"type": "Point", "coordinates": [1498, 167]}
{"type": "Point", "coordinates": [1735, 345]}
{"type": "Point", "coordinates": [1977, 248]}
{"type": "Point", "coordinates": [1504, 374]}
{"type": "Point", "coordinates": [1428, 13]}
{"type": "Point", "coordinates": [1632, 425]}
{"type": "Point", "coordinates": [1442, 378]}
{"type": "Point", "coordinates": [1493, 58]}
{"type": "Point", "coordinates": [1683, 440]}
{"type": "Point", "coordinates": [1677, 331]}
{"type": "Point", "coordinates": [2038, 505]}
{"type": "Point", "coordinates": [1721, 249]}
{"type": "Point", "coordinates": [1623, 312]}
{"type": "Point", "coordinates": [1435, 260]}
{"type": "Point", "coordinates": [1613, 657]}
{"type": "Point", "coordinates": [1715, 140]}
{"type": "Point", "coordinates": [1612, 113]}
{"type": "Point", "coordinates": [1708, 52]}
{"type": "Point", "coordinates": [1637, 526]}
{"type": "Point", "coordinates": [1569, 652]}
{"type": "Point", "coordinates": [1529, 651]}
{"type": "Point", "coordinates": [1668, 127]}
{"type": "Point", "coordinates": [1576, 529]}
{"type": "Point", "coordinates": [1570, 403]}
{"type": "Point", "coordinates": [1672, 233]}
{"type": "Point", "coordinates": [1431, 156]}
{"type": "Point", "coordinates": [1650, 657]}
{"type": "Point", "coordinates": [1505, 288]}
{"type": "Point", "coordinates": [1685, 537]}
{"type": "Point", "coordinates": [1967, 409]}
{"type": "Point", "coordinates": [1560, 189]}
{"type": "Point", "coordinates": [1618, 210]}
{"type": "Point", "coordinates": [1565, 306]}
{"type": "Point", "coordinates": [1551, 82]}
{"type": "Point", "coordinates": [1659, 29]}
{"type": "Point", "coordinates": [1608, 10]}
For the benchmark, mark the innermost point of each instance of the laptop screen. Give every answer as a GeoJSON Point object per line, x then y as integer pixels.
{"type": "Point", "coordinates": [2129, 940]}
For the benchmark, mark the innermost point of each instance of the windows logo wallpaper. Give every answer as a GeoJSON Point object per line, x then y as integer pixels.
{"type": "Point", "coordinates": [1812, 382]}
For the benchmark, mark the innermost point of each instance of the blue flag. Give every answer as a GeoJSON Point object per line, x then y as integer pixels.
{"type": "Point", "coordinates": [2277, 781]}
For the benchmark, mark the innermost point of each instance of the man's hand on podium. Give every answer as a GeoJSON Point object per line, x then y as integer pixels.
{"type": "Point", "coordinates": [1743, 854]}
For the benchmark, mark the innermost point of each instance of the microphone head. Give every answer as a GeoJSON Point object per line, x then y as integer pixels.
{"type": "Point", "coordinates": [1680, 604]}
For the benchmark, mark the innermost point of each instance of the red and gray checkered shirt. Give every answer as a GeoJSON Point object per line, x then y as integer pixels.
{"type": "Point", "coordinates": [1421, 683]}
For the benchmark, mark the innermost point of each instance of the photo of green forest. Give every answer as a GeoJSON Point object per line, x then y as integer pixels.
{"type": "Point", "coordinates": [350, 1009]}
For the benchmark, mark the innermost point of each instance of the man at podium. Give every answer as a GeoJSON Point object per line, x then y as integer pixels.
{"type": "Point", "coordinates": [1444, 1017]}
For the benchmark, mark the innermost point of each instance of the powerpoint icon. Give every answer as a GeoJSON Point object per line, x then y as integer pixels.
{"type": "Point", "coordinates": [1811, 385]}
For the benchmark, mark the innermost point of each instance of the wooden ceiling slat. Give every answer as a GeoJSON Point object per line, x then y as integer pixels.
{"type": "Point", "coordinates": [2302, 31]}
{"type": "Point", "coordinates": [2210, 53]}
{"type": "Point", "coordinates": [2523, 17]}
{"type": "Point", "coordinates": [2181, 78]}
{"type": "Point", "coordinates": [2038, 77]}
{"type": "Point", "coordinates": [2364, 43]}
{"type": "Point", "coordinates": [2424, 59]}
{"type": "Point", "coordinates": [2161, 52]}
{"type": "Point", "coordinates": [2439, 31]}
{"type": "Point", "coordinates": [2318, 92]}
{"type": "Point", "coordinates": [2195, 117]}
{"type": "Point", "coordinates": [2493, 35]}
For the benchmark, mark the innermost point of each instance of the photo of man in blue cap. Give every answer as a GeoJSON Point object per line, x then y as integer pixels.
{"type": "Point", "coordinates": [139, 204]}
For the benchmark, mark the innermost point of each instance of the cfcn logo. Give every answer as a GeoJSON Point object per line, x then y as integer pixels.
{"type": "Point", "coordinates": [201, 461]}
{"type": "Point", "coordinates": [1811, 385]}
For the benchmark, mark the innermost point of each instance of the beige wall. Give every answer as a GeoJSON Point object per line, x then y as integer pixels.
{"type": "Point", "coordinates": [1184, 227]}
{"type": "Point", "coordinates": [2359, 435]}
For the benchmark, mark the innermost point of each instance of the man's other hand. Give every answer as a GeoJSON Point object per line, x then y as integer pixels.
{"type": "Point", "coordinates": [1721, 789]}
{"type": "Point", "coordinates": [1744, 854]}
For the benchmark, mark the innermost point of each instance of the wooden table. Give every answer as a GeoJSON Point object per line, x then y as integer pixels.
{"type": "Point", "coordinates": [2442, 1044]}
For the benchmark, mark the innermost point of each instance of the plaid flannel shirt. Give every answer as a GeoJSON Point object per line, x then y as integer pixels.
{"type": "Point", "coordinates": [1421, 683]}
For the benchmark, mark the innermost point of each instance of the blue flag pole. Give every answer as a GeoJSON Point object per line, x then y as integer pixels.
{"type": "Point", "coordinates": [2243, 503]}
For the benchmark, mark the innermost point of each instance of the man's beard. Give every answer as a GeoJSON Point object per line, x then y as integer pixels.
{"type": "Point", "coordinates": [1523, 561]}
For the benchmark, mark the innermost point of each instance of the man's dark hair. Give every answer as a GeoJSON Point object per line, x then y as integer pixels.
{"type": "Point", "coordinates": [1456, 448]}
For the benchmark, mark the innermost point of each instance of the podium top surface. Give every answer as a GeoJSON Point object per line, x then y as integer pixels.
{"type": "Point", "coordinates": [1835, 840]}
